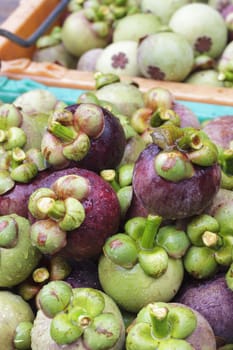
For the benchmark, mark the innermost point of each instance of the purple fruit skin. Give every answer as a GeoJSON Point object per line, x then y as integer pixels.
{"type": "Point", "coordinates": [220, 130]}
{"type": "Point", "coordinates": [214, 300]}
{"type": "Point", "coordinates": [84, 274]}
{"type": "Point", "coordinates": [102, 211]}
{"type": "Point", "coordinates": [106, 150]}
{"type": "Point", "coordinates": [169, 199]}
{"type": "Point", "coordinates": [187, 116]}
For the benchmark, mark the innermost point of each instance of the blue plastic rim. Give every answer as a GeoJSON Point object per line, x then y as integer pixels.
{"type": "Point", "coordinates": [11, 89]}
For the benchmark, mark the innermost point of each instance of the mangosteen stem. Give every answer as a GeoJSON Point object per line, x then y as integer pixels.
{"type": "Point", "coordinates": [166, 135]}
{"type": "Point", "coordinates": [65, 133]}
{"type": "Point", "coordinates": [151, 228]}
{"type": "Point", "coordinates": [41, 274]}
{"type": "Point", "coordinates": [161, 116]}
{"type": "Point", "coordinates": [159, 321]}
{"type": "Point", "coordinates": [110, 176]}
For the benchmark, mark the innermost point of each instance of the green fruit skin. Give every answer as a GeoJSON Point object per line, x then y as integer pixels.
{"type": "Point", "coordinates": [132, 289]}
{"type": "Point", "coordinates": [42, 340]}
{"type": "Point", "coordinates": [169, 52]}
{"type": "Point", "coordinates": [104, 63]}
{"type": "Point", "coordinates": [18, 262]}
{"type": "Point", "coordinates": [208, 77]}
{"type": "Point", "coordinates": [13, 311]}
{"type": "Point", "coordinates": [163, 9]}
{"type": "Point", "coordinates": [125, 97]}
{"type": "Point", "coordinates": [198, 20]}
{"type": "Point", "coordinates": [78, 36]}
{"type": "Point", "coordinates": [136, 26]}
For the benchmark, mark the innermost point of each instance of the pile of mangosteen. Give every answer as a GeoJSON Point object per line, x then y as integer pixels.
{"type": "Point", "coordinates": [115, 222]}
{"type": "Point", "coordinates": [174, 40]}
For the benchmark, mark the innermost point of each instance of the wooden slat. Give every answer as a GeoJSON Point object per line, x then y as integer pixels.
{"type": "Point", "coordinates": [55, 75]}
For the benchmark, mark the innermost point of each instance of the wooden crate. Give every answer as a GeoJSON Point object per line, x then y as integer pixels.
{"type": "Point", "coordinates": [17, 63]}
{"type": "Point", "coordinates": [23, 21]}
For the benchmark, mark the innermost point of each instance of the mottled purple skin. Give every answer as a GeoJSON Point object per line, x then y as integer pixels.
{"type": "Point", "coordinates": [187, 116]}
{"type": "Point", "coordinates": [84, 274]}
{"type": "Point", "coordinates": [169, 199]}
{"type": "Point", "coordinates": [102, 211]}
{"type": "Point", "coordinates": [214, 300]}
{"type": "Point", "coordinates": [106, 150]}
{"type": "Point", "coordinates": [16, 200]}
{"type": "Point", "coordinates": [220, 130]}
{"type": "Point", "coordinates": [87, 62]}
{"type": "Point", "coordinates": [203, 336]}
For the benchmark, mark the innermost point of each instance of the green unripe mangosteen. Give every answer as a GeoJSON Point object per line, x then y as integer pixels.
{"type": "Point", "coordinates": [163, 9]}
{"type": "Point", "coordinates": [202, 26]}
{"type": "Point", "coordinates": [168, 326]}
{"type": "Point", "coordinates": [127, 98]}
{"type": "Point", "coordinates": [119, 58]}
{"type": "Point", "coordinates": [165, 56]}
{"type": "Point", "coordinates": [207, 77]}
{"type": "Point", "coordinates": [136, 26]}
{"type": "Point", "coordinates": [79, 35]}
{"type": "Point", "coordinates": [91, 320]}
{"type": "Point", "coordinates": [14, 310]}
{"type": "Point", "coordinates": [18, 256]}
{"type": "Point", "coordinates": [136, 289]}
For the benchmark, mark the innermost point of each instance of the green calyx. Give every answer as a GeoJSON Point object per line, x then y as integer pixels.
{"type": "Point", "coordinates": [173, 166]}
{"type": "Point", "coordinates": [200, 262]}
{"type": "Point", "coordinates": [173, 240]}
{"type": "Point", "coordinates": [57, 209]}
{"type": "Point", "coordinates": [79, 312]}
{"type": "Point", "coordinates": [200, 228]}
{"type": "Point", "coordinates": [54, 297]}
{"type": "Point", "coordinates": [163, 326]}
{"type": "Point", "coordinates": [138, 245]}
{"type": "Point", "coordinates": [182, 147]}
{"type": "Point", "coordinates": [8, 232]}
{"type": "Point", "coordinates": [61, 202]}
{"type": "Point", "coordinates": [102, 79]}
{"type": "Point", "coordinates": [68, 136]}
{"type": "Point", "coordinates": [10, 116]}
{"type": "Point", "coordinates": [22, 338]}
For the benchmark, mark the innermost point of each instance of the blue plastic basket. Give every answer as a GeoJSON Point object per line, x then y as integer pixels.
{"type": "Point", "coordinates": [11, 89]}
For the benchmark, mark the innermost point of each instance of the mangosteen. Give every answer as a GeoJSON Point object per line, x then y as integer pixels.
{"type": "Point", "coordinates": [55, 54]}
{"type": "Point", "coordinates": [214, 300]}
{"type": "Point", "coordinates": [165, 56]}
{"type": "Point", "coordinates": [162, 9]}
{"type": "Point", "coordinates": [141, 262]}
{"type": "Point", "coordinates": [177, 176]}
{"type": "Point", "coordinates": [169, 326]}
{"type": "Point", "coordinates": [119, 58]}
{"type": "Point", "coordinates": [197, 23]}
{"type": "Point", "coordinates": [76, 318]}
{"type": "Point", "coordinates": [85, 135]}
{"type": "Point", "coordinates": [127, 98]}
{"type": "Point", "coordinates": [80, 35]}
{"type": "Point", "coordinates": [87, 61]}
{"type": "Point", "coordinates": [207, 77]}
{"type": "Point", "coordinates": [136, 26]}
{"type": "Point", "coordinates": [18, 256]}
{"type": "Point", "coordinates": [16, 318]}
